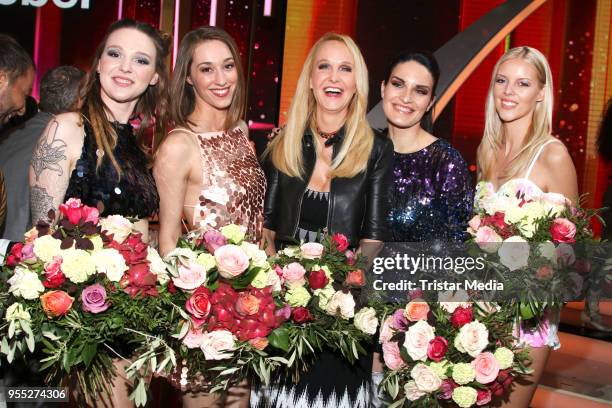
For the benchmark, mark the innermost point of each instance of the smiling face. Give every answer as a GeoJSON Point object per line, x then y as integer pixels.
{"type": "Point", "coordinates": [13, 94]}
{"type": "Point", "coordinates": [127, 66]}
{"type": "Point", "coordinates": [517, 90]}
{"type": "Point", "coordinates": [407, 94]}
{"type": "Point", "coordinates": [332, 79]}
{"type": "Point", "coordinates": [213, 74]}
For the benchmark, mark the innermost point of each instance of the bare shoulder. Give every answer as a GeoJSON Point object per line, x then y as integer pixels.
{"type": "Point", "coordinates": [555, 156]}
{"type": "Point", "coordinates": [67, 127]}
{"type": "Point", "coordinates": [177, 145]}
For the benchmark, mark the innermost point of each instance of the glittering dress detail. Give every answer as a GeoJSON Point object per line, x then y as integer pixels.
{"type": "Point", "coordinates": [546, 333]}
{"type": "Point", "coordinates": [132, 195]}
{"type": "Point", "coordinates": [431, 196]}
{"type": "Point", "coordinates": [233, 183]}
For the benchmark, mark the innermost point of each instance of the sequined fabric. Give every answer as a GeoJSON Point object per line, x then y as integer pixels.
{"type": "Point", "coordinates": [234, 185]}
{"type": "Point", "coordinates": [431, 196]}
{"type": "Point", "coordinates": [132, 195]}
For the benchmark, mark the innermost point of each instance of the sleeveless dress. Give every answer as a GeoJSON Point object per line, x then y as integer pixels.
{"type": "Point", "coordinates": [132, 195]}
{"type": "Point", "coordinates": [331, 382]}
{"type": "Point", "coordinates": [233, 183]}
{"type": "Point", "coordinates": [546, 334]}
{"type": "Point", "coordinates": [232, 192]}
{"type": "Point", "coordinates": [431, 196]}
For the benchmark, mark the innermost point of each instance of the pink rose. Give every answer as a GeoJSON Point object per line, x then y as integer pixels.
{"type": "Point", "coordinates": [71, 210]}
{"type": "Point", "coordinates": [214, 240]}
{"type": "Point", "coordinates": [563, 230]}
{"type": "Point", "coordinates": [312, 250]}
{"type": "Point", "coordinates": [27, 253]}
{"type": "Point", "coordinates": [399, 320]}
{"type": "Point", "coordinates": [392, 355]}
{"type": "Point", "coordinates": [351, 258]}
{"type": "Point", "coordinates": [190, 276]}
{"type": "Point", "coordinates": [340, 241]}
{"type": "Point", "coordinates": [386, 331]}
{"type": "Point", "coordinates": [194, 338]}
{"type": "Point", "coordinates": [90, 214]}
{"type": "Point", "coordinates": [294, 273]}
{"type": "Point", "coordinates": [94, 299]}
{"type": "Point", "coordinates": [232, 261]}
{"type": "Point", "coordinates": [447, 388]}
{"type": "Point", "coordinates": [199, 306]}
{"type": "Point", "coordinates": [487, 239]}
{"type": "Point", "coordinates": [486, 367]}
{"type": "Point", "coordinates": [475, 222]}
{"type": "Point", "coordinates": [417, 340]}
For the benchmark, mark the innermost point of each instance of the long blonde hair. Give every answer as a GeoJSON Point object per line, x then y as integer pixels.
{"type": "Point", "coordinates": [541, 124]}
{"type": "Point", "coordinates": [286, 149]}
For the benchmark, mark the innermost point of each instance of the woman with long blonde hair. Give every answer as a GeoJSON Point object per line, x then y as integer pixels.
{"type": "Point", "coordinates": [517, 147]}
{"type": "Point", "coordinates": [327, 172]}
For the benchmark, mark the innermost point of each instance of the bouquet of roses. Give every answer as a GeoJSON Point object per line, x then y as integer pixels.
{"type": "Point", "coordinates": [224, 309]}
{"type": "Point", "coordinates": [81, 293]}
{"type": "Point", "coordinates": [448, 354]}
{"type": "Point", "coordinates": [320, 286]}
{"type": "Point", "coordinates": [530, 239]}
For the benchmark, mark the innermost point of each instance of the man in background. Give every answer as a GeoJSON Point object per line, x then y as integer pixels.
{"type": "Point", "coordinates": [59, 90]}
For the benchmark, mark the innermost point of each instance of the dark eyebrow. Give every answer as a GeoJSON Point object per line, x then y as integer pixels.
{"type": "Point", "coordinates": [137, 52]}
{"type": "Point", "coordinates": [397, 79]}
{"type": "Point", "coordinates": [210, 63]}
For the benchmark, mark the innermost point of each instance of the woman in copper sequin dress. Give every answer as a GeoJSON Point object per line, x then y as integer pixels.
{"type": "Point", "coordinates": [206, 170]}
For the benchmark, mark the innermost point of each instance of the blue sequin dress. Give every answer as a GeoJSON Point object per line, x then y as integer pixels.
{"type": "Point", "coordinates": [432, 195]}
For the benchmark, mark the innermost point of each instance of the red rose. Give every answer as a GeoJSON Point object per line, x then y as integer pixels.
{"type": "Point", "coordinates": [340, 241]}
{"type": "Point", "coordinates": [462, 316]}
{"type": "Point", "coordinates": [171, 287]}
{"type": "Point", "coordinates": [54, 277]}
{"type": "Point", "coordinates": [139, 280]}
{"type": "Point", "coordinates": [563, 230]}
{"type": "Point", "coordinates": [301, 315]}
{"type": "Point", "coordinates": [198, 305]}
{"type": "Point", "coordinates": [484, 397]}
{"type": "Point", "coordinates": [497, 220]}
{"type": "Point", "coordinates": [355, 278]}
{"type": "Point", "coordinates": [71, 210]}
{"type": "Point", "coordinates": [317, 279]}
{"type": "Point", "coordinates": [496, 389]}
{"type": "Point", "coordinates": [437, 347]}
{"type": "Point", "coordinates": [15, 256]}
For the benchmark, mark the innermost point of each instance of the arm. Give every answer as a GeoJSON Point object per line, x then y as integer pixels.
{"type": "Point", "coordinates": [57, 150]}
{"type": "Point", "coordinates": [171, 171]}
{"type": "Point", "coordinates": [270, 205]}
{"type": "Point", "coordinates": [376, 224]}
{"type": "Point", "coordinates": [559, 171]}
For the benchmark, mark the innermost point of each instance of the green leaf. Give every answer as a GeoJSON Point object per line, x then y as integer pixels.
{"type": "Point", "coordinates": [4, 346]}
{"type": "Point", "coordinates": [11, 353]}
{"type": "Point", "coordinates": [245, 279]}
{"type": "Point", "coordinates": [229, 371]}
{"type": "Point", "coordinates": [30, 342]}
{"type": "Point", "coordinates": [279, 338]}
{"type": "Point", "coordinates": [89, 352]}
{"type": "Point", "coordinates": [11, 329]}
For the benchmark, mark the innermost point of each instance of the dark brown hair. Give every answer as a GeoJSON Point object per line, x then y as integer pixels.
{"type": "Point", "coordinates": [152, 104]}
{"type": "Point", "coordinates": [182, 94]}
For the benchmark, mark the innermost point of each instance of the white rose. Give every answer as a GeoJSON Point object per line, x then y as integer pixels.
{"type": "Point", "coordinates": [97, 242]}
{"type": "Point", "coordinates": [118, 226]}
{"type": "Point", "coordinates": [25, 283]}
{"type": "Point", "coordinates": [514, 253]}
{"type": "Point", "coordinates": [217, 345]}
{"type": "Point", "coordinates": [547, 250]}
{"type": "Point", "coordinates": [450, 300]}
{"type": "Point", "coordinates": [15, 312]}
{"type": "Point", "coordinates": [564, 255]}
{"type": "Point", "coordinates": [472, 338]}
{"type": "Point", "coordinates": [207, 261]}
{"type": "Point", "coordinates": [77, 265]}
{"type": "Point", "coordinates": [534, 210]}
{"type": "Point", "coordinates": [514, 215]}
{"type": "Point", "coordinates": [110, 262]}
{"type": "Point", "coordinates": [291, 251]}
{"type": "Point", "coordinates": [417, 340]}
{"type": "Point", "coordinates": [46, 247]}
{"type": "Point", "coordinates": [256, 255]}
{"type": "Point", "coordinates": [324, 295]}
{"type": "Point", "coordinates": [181, 253]}
{"type": "Point", "coordinates": [366, 321]}
{"type": "Point", "coordinates": [157, 266]}
{"type": "Point", "coordinates": [412, 391]}
{"type": "Point", "coordinates": [425, 378]}
{"type": "Point", "coordinates": [341, 304]}
{"type": "Point", "coordinates": [554, 204]}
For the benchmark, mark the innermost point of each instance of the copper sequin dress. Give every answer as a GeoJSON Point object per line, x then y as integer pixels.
{"type": "Point", "coordinates": [233, 183]}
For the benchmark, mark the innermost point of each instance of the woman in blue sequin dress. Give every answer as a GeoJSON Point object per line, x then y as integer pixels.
{"type": "Point", "coordinates": [431, 195]}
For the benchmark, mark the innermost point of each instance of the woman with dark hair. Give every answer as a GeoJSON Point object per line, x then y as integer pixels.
{"type": "Point", "coordinates": [95, 155]}
{"type": "Point", "coordinates": [206, 171]}
{"type": "Point", "coordinates": [431, 195]}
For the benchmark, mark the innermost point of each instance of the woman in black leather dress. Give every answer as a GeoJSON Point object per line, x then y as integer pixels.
{"type": "Point", "coordinates": [95, 155]}
{"type": "Point", "coordinates": [327, 171]}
